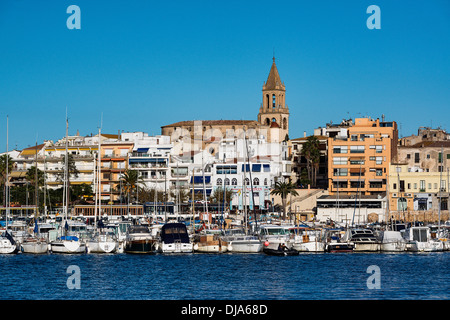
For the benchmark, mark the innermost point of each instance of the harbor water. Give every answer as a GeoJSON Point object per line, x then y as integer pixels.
{"type": "Point", "coordinates": [418, 276]}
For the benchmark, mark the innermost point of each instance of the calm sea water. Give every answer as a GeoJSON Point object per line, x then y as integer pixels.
{"type": "Point", "coordinates": [225, 276]}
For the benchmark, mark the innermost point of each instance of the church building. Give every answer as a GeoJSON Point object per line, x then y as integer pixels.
{"type": "Point", "coordinates": [272, 119]}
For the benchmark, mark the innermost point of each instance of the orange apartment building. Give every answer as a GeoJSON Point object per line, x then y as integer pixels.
{"type": "Point", "coordinates": [359, 158]}
{"type": "Point", "coordinates": [114, 159]}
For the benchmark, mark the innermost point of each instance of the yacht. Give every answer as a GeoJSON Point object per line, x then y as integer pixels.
{"type": "Point", "coordinates": [363, 239]}
{"type": "Point", "coordinates": [139, 240]}
{"type": "Point", "coordinates": [35, 243]}
{"type": "Point", "coordinates": [272, 236]}
{"type": "Point", "coordinates": [418, 239]}
{"type": "Point", "coordinates": [392, 241]}
{"type": "Point", "coordinates": [174, 238]}
{"type": "Point", "coordinates": [240, 242]}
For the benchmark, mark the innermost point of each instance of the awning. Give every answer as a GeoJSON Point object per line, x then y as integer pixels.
{"type": "Point", "coordinates": [356, 180]}
{"type": "Point", "coordinates": [199, 179]}
{"type": "Point", "coordinates": [142, 150]}
{"type": "Point", "coordinates": [375, 180]}
{"type": "Point", "coordinates": [256, 168]}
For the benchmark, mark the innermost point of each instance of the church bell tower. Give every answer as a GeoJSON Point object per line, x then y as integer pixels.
{"type": "Point", "coordinates": [274, 111]}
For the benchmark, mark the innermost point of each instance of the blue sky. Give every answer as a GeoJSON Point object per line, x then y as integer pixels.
{"type": "Point", "coordinates": [144, 64]}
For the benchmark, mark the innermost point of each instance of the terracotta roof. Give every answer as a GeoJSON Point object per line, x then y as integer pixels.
{"type": "Point", "coordinates": [429, 144]}
{"type": "Point", "coordinates": [212, 123]}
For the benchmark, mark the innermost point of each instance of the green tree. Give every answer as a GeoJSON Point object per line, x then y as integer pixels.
{"type": "Point", "coordinates": [130, 182]}
{"type": "Point", "coordinates": [284, 189]}
{"type": "Point", "coordinates": [311, 152]}
{"type": "Point", "coordinates": [217, 196]}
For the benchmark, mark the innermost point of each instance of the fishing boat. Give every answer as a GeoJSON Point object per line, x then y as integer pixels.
{"type": "Point", "coordinates": [392, 241]}
{"type": "Point", "coordinates": [334, 243]}
{"type": "Point", "coordinates": [306, 239]}
{"type": "Point", "coordinates": [139, 240]}
{"type": "Point", "coordinates": [418, 239]}
{"type": "Point", "coordinates": [174, 238]}
{"type": "Point", "coordinates": [210, 241]}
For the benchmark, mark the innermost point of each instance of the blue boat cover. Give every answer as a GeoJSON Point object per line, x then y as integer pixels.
{"type": "Point", "coordinates": [73, 238]}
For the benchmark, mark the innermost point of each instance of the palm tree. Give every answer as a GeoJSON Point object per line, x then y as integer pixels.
{"type": "Point", "coordinates": [4, 160]}
{"type": "Point", "coordinates": [131, 181]}
{"type": "Point", "coordinates": [311, 152]}
{"type": "Point", "coordinates": [283, 189]}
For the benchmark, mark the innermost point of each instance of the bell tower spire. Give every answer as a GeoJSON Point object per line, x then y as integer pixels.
{"type": "Point", "coordinates": [274, 111]}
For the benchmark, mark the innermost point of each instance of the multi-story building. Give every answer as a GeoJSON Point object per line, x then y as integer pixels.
{"type": "Point", "coordinates": [358, 161]}
{"type": "Point", "coordinates": [419, 181]}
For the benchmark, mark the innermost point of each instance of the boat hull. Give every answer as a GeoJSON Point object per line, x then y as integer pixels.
{"type": "Point", "coordinates": [68, 246]}
{"type": "Point", "coordinates": [280, 253]}
{"type": "Point", "coordinates": [309, 246]}
{"type": "Point", "coordinates": [6, 247]}
{"type": "Point", "coordinates": [102, 246]}
{"type": "Point", "coordinates": [176, 247]}
{"type": "Point", "coordinates": [393, 247]}
{"type": "Point", "coordinates": [246, 246]}
{"type": "Point", "coordinates": [339, 247]}
{"type": "Point", "coordinates": [366, 247]}
{"type": "Point", "coordinates": [140, 246]}
{"type": "Point", "coordinates": [34, 247]}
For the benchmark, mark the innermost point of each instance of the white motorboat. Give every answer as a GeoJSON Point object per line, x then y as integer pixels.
{"type": "Point", "coordinates": [272, 236]}
{"type": "Point", "coordinates": [362, 239]}
{"type": "Point", "coordinates": [139, 240]}
{"type": "Point", "coordinates": [418, 239]}
{"type": "Point", "coordinates": [240, 242]}
{"type": "Point", "coordinates": [392, 241]}
{"type": "Point", "coordinates": [174, 238]}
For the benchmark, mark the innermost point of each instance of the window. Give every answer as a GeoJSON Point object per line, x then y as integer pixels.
{"type": "Point", "coordinates": [340, 149]}
{"type": "Point", "coordinates": [219, 182]}
{"type": "Point", "coordinates": [415, 186]}
{"type": "Point", "coordinates": [401, 204]}
{"type": "Point", "coordinates": [339, 160]}
{"type": "Point", "coordinates": [379, 160]}
{"type": "Point", "coordinates": [340, 172]}
{"type": "Point", "coordinates": [273, 101]}
{"type": "Point", "coordinates": [265, 181]}
{"type": "Point", "coordinates": [416, 157]}
{"type": "Point", "coordinates": [234, 182]}
{"type": "Point", "coordinates": [247, 182]}
{"type": "Point", "coordinates": [379, 172]}
{"type": "Point", "coordinates": [356, 149]}
{"type": "Point", "coordinates": [422, 185]}
{"type": "Point", "coordinates": [356, 161]}
{"type": "Point", "coordinates": [354, 137]}
{"type": "Point", "coordinates": [256, 182]}
{"type": "Point", "coordinates": [227, 181]}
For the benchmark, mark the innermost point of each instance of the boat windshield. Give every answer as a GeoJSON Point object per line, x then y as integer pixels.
{"type": "Point", "coordinates": [274, 231]}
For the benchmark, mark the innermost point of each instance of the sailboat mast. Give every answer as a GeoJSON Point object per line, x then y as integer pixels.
{"type": "Point", "coordinates": [66, 172]}
{"type": "Point", "coordinates": [251, 181]}
{"type": "Point", "coordinates": [7, 174]}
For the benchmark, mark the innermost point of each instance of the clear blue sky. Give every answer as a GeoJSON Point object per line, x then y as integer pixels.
{"type": "Point", "coordinates": [144, 64]}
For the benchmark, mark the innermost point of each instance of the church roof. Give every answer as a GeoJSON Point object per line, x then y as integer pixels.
{"type": "Point", "coordinates": [213, 123]}
{"type": "Point", "coordinates": [273, 80]}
